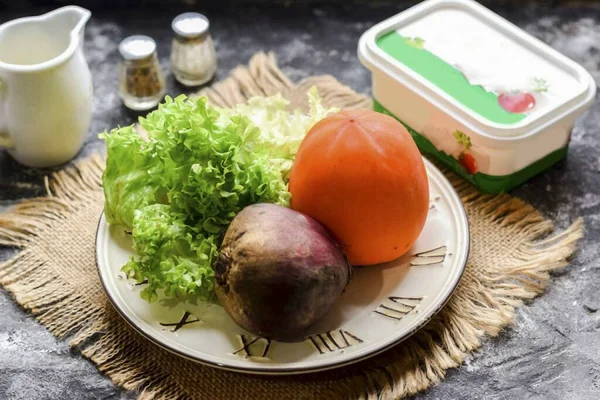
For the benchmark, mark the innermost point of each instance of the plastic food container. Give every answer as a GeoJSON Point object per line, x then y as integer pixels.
{"type": "Point", "coordinates": [476, 92]}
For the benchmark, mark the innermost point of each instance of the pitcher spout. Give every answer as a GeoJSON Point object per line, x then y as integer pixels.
{"type": "Point", "coordinates": [71, 18]}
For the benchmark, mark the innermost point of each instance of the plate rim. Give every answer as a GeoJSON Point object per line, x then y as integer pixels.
{"type": "Point", "coordinates": [273, 371]}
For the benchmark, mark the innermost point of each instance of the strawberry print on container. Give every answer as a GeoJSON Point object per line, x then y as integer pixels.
{"type": "Point", "coordinates": [466, 159]}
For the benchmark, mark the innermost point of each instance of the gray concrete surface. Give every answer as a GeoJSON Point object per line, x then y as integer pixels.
{"type": "Point", "coordinates": [553, 349]}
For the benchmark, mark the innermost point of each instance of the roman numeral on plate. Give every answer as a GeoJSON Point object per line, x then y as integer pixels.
{"type": "Point", "coordinates": [182, 322]}
{"type": "Point", "coordinates": [331, 341]}
{"type": "Point", "coordinates": [430, 257]}
{"type": "Point", "coordinates": [432, 204]}
{"type": "Point", "coordinates": [397, 307]}
{"type": "Point", "coordinates": [253, 346]}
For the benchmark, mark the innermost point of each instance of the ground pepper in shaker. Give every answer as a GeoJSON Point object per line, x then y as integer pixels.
{"type": "Point", "coordinates": [193, 57]}
{"type": "Point", "coordinates": [141, 81]}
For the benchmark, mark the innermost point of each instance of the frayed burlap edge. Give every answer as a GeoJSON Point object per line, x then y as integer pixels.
{"type": "Point", "coordinates": [483, 304]}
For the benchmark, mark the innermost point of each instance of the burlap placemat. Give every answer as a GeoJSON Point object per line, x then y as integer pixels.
{"type": "Point", "coordinates": [54, 277]}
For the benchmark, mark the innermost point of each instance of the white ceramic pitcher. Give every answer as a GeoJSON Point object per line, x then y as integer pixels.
{"type": "Point", "coordinates": [45, 87]}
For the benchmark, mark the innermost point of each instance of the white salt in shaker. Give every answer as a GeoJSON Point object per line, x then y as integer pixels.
{"type": "Point", "coordinates": [193, 57]}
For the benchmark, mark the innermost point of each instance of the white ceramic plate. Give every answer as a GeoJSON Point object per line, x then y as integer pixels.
{"type": "Point", "coordinates": [383, 304]}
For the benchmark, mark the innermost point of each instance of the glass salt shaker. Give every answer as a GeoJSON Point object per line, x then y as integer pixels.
{"type": "Point", "coordinates": [193, 57]}
{"type": "Point", "coordinates": [141, 80]}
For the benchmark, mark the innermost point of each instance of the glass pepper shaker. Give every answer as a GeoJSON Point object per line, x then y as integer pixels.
{"type": "Point", "coordinates": [141, 81]}
{"type": "Point", "coordinates": [193, 56]}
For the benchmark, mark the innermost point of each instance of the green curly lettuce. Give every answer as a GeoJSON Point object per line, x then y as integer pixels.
{"type": "Point", "coordinates": [178, 189]}
{"type": "Point", "coordinates": [127, 183]}
{"type": "Point", "coordinates": [173, 255]}
{"type": "Point", "coordinates": [281, 132]}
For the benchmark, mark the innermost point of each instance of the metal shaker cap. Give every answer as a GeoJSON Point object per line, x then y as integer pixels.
{"type": "Point", "coordinates": [190, 25]}
{"type": "Point", "coordinates": [137, 47]}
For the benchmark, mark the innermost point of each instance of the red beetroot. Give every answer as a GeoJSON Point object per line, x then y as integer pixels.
{"type": "Point", "coordinates": [278, 271]}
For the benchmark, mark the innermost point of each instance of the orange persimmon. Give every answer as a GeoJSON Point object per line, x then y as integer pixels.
{"type": "Point", "coordinates": [360, 174]}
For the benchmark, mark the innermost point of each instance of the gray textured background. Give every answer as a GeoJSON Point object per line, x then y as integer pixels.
{"type": "Point", "coordinates": [553, 349]}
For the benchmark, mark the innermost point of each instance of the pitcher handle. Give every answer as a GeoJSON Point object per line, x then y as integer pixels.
{"type": "Point", "coordinates": [5, 139]}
